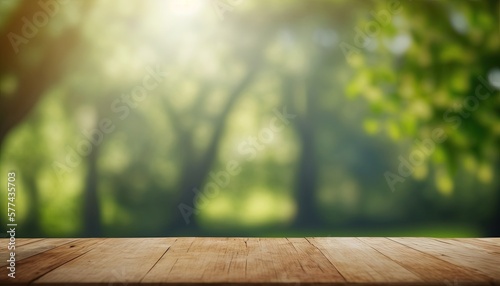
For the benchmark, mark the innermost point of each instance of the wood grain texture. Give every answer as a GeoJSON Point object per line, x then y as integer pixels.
{"type": "Point", "coordinates": [360, 263]}
{"type": "Point", "coordinates": [481, 244]}
{"type": "Point", "coordinates": [27, 248]}
{"type": "Point", "coordinates": [33, 267]}
{"type": "Point", "coordinates": [458, 254]}
{"type": "Point", "coordinates": [429, 268]}
{"type": "Point", "coordinates": [19, 241]}
{"type": "Point", "coordinates": [252, 261]}
{"type": "Point", "coordinates": [316, 267]}
{"type": "Point", "coordinates": [120, 260]}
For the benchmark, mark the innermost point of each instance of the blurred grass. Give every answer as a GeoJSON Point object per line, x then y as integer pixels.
{"type": "Point", "coordinates": [438, 230]}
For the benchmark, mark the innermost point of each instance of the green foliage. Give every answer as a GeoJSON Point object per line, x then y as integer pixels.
{"type": "Point", "coordinates": [356, 114]}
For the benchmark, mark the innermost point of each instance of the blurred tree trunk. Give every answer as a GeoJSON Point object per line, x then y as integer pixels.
{"type": "Point", "coordinates": [307, 176]}
{"type": "Point", "coordinates": [32, 223]}
{"type": "Point", "coordinates": [32, 82]}
{"type": "Point", "coordinates": [307, 165]}
{"type": "Point", "coordinates": [197, 167]}
{"type": "Point", "coordinates": [493, 225]}
{"type": "Point", "coordinates": [92, 210]}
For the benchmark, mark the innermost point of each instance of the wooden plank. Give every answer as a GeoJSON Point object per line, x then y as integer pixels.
{"type": "Point", "coordinates": [457, 254]}
{"type": "Point", "coordinates": [260, 265]}
{"type": "Point", "coordinates": [314, 263]}
{"type": "Point", "coordinates": [4, 242]}
{"type": "Point", "coordinates": [24, 241]}
{"type": "Point", "coordinates": [207, 260]}
{"type": "Point", "coordinates": [359, 263]}
{"type": "Point", "coordinates": [28, 249]}
{"type": "Point", "coordinates": [29, 269]}
{"type": "Point", "coordinates": [238, 266]}
{"type": "Point", "coordinates": [116, 260]}
{"type": "Point", "coordinates": [491, 241]}
{"type": "Point", "coordinates": [292, 263]}
{"type": "Point", "coordinates": [494, 240]}
{"type": "Point", "coordinates": [428, 267]}
{"type": "Point", "coordinates": [240, 260]}
{"type": "Point", "coordinates": [296, 258]}
{"type": "Point", "coordinates": [221, 262]}
{"type": "Point", "coordinates": [229, 258]}
{"type": "Point", "coordinates": [20, 241]}
{"type": "Point", "coordinates": [162, 272]}
{"type": "Point", "coordinates": [286, 267]}
{"type": "Point", "coordinates": [480, 244]}
{"type": "Point", "coordinates": [191, 264]}
{"type": "Point", "coordinates": [339, 261]}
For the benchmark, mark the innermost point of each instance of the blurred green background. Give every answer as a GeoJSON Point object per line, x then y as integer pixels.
{"type": "Point", "coordinates": [251, 118]}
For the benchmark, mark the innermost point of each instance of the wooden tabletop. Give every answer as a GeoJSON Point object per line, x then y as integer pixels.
{"type": "Point", "coordinates": [338, 261]}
